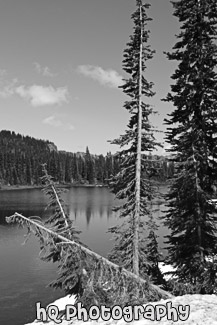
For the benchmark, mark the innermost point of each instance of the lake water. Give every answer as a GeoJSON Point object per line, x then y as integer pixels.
{"type": "Point", "coordinates": [23, 276]}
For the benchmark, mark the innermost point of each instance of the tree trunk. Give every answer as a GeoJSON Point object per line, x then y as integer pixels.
{"type": "Point", "coordinates": [17, 217]}
{"type": "Point", "coordinates": [138, 161]}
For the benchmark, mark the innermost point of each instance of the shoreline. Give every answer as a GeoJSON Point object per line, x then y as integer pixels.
{"type": "Point", "coordinates": [6, 188]}
{"type": "Point", "coordinates": [29, 187]}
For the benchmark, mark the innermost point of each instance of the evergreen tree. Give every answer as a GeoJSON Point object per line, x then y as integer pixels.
{"type": "Point", "coordinates": [100, 169]}
{"type": "Point", "coordinates": [68, 169]}
{"type": "Point", "coordinates": [21, 158]}
{"type": "Point", "coordinates": [152, 253]}
{"type": "Point", "coordinates": [132, 182]}
{"type": "Point", "coordinates": [71, 265]}
{"type": "Point", "coordinates": [90, 170]}
{"type": "Point", "coordinates": [92, 278]}
{"type": "Point", "coordinates": [76, 175]}
{"type": "Point", "coordinates": [192, 136]}
{"type": "Point", "coordinates": [109, 162]}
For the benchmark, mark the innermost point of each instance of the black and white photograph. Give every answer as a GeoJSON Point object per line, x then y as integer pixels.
{"type": "Point", "coordinates": [108, 162]}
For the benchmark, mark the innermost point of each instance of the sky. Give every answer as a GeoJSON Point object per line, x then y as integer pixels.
{"type": "Point", "coordinates": [61, 65]}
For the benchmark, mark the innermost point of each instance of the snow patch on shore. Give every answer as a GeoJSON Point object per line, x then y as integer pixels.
{"type": "Point", "coordinates": [166, 268]}
{"type": "Point", "coordinates": [203, 311]}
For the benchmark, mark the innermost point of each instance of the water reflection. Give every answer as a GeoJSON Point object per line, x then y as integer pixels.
{"type": "Point", "coordinates": [93, 203]}
{"type": "Point", "coordinates": [88, 211]}
{"type": "Point", "coordinates": [23, 276]}
{"type": "Point", "coordinates": [90, 208]}
{"type": "Point", "coordinates": [27, 202]}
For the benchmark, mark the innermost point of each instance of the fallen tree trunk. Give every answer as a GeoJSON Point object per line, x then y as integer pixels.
{"type": "Point", "coordinates": [35, 227]}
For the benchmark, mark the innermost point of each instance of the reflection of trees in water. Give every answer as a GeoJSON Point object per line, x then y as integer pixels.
{"type": "Point", "coordinates": [71, 211]}
{"type": "Point", "coordinates": [109, 212]}
{"type": "Point", "coordinates": [90, 203]}
{"type": "Point", "coordinates": [101, 211]}
{"type": "Point", "coordinates": [88, 212]}
{"type": "Point", "coordinates": [27, 212]}
{"type": "Point", "coordinates": [105, 211]}
{"type": "Point", "coordinates": [75, 213]}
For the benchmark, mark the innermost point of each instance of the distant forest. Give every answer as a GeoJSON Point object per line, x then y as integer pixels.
{"type": "Point", "coordinates": [21, 159]}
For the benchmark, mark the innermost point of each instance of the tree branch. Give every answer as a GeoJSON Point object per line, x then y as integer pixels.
{"type": "Point", "coordinates": [17, 217]}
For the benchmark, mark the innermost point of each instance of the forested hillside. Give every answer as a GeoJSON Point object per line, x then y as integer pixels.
{"type": "Point", "coordinates": [21, 158]}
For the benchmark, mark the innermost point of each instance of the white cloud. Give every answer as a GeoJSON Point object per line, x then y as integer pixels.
{"type": "Point", "coordinates": [6, 91]}
{"type": "Point", "coordinates": [7, 88]}
{"type": "Point", "coordinates": [40, 95]}
{"type": "Point", "coordinates": [56, 122]}
{"type": "Point", "coordinates": [109, 78]}
{"type": "Point", "coordinates": [37, 95]}
{"type": "Point", "coordinates": [45, 71]}
{"type": "Point", "coordinates": [52, 120]}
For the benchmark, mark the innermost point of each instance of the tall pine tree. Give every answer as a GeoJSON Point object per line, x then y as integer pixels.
{"type": "Point", "coordinates": [132, 182]}
{"type": "Point", "coordinates": [89, 167]}
{"type": "Point", "coordinates": [192, 135]}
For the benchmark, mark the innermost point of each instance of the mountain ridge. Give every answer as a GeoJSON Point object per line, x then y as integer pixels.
{"type": "Point", "coordinates": [21, 158]}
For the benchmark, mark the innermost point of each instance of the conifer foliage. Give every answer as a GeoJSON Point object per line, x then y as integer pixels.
{"type": "Point", "coordinates": [21, 158]}
{"type": "Point", "coordinates": [132, 183]}
{"type": "Point", "coordinates": [192, 134]}
{"type": "Point", "coordinates": [92, 278]}
{"type": "Point", "coordinates": [69, 262]}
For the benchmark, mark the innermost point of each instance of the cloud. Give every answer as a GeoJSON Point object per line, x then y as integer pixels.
{"type": "Point", "coordinates": [7, 88]}
{"type": "Point", "coordinates": [40, 95]}
{"type": "Point", "coordinates": [56, 122]}
{"type": "Point", "coordinates": [53, 121]}
{"type": "Point", "coordinates": [37, 95]}
{"type": "Point", "coordinates": [109, 78]}
{"type": "Point", "coordinates": [45, 71]}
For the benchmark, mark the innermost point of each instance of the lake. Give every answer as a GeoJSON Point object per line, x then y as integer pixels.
{"type": "Point", "coordinates": [23, 276]}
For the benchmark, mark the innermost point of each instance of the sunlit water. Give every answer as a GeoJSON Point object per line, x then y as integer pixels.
{"type": "Point", "coordinates": [23, 276]}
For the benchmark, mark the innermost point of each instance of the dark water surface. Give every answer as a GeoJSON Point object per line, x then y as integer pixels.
{"type": "Point", "coordinates": [23, 276]}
